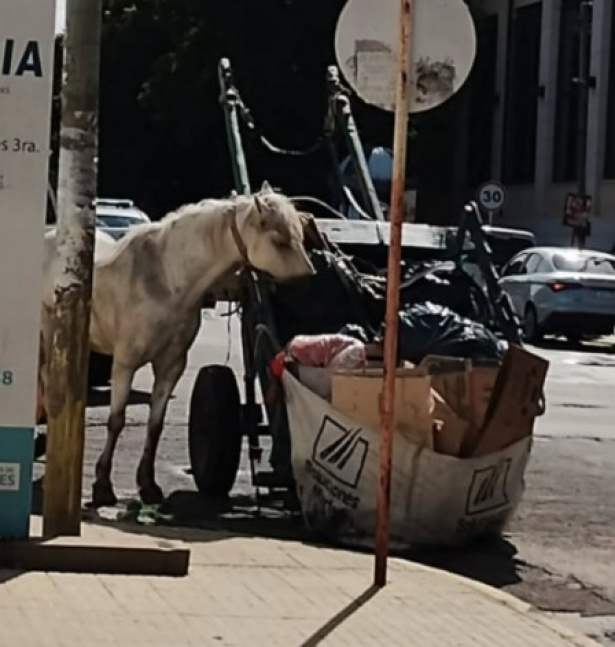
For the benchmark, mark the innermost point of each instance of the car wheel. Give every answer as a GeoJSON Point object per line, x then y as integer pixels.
{"type": "Point", "coordinates": [531, 329]}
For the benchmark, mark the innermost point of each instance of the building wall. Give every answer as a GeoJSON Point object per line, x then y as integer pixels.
{"type": "Point", "coordinates": [539, 204]}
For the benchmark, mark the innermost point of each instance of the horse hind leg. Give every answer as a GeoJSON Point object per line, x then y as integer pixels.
{"type": "Point", "coordinates": [166, 376]}
{"type": "Point", "coordinates": [121, 383]}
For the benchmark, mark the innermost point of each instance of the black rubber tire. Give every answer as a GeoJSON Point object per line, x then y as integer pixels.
{"type": "Point", "coordinates": [99, 369]}
{"type": "Point", "coordinates": [531, 330]}
{"type": "Point", "coordinates": [215, 430]}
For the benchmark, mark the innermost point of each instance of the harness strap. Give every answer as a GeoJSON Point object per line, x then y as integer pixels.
{"type": "Point", "coordinates": [241, 246]}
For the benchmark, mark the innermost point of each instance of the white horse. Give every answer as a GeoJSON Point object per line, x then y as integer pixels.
{"type": "Point", "coordinates": [147, 294]}
{"type": "Point", "coordinates": [104, 245]}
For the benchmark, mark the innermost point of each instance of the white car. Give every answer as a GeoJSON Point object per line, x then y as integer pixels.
{"type": "Point", "coordinates": [504, 244]}
{"type": "Point", "coordinates": [116, 217]}
{"type": "Point", "coordinates": [562, 291]}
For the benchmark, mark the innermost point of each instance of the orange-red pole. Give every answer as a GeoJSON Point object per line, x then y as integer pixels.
{"type": "Point", "coordinates": [393, 281]}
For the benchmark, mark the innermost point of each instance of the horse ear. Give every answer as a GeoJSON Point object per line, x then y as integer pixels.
{"type": "Point", "coordinates": [266, 188]}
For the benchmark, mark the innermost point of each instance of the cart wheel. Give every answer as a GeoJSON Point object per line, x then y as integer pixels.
{"type": "Point", "coordinates": [215, 431]}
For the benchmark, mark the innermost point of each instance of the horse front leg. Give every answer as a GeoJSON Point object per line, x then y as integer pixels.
{"type": "Point", "coordinates": [166, 376]}
{"type": "Point", "coordinates": [121, 383]}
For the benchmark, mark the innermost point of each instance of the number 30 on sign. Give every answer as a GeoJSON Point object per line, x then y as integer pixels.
{"type": "Point", "coordinates": [491, 196]}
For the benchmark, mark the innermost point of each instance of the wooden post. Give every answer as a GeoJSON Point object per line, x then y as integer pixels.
{"type": "Point", "coordinates": [68, 355]}
{"type": "Point", "coordinates": [402, 103]}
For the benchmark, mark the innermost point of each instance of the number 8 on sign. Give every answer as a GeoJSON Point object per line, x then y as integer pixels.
{"type": "Point", "coordinates": [491, 196]}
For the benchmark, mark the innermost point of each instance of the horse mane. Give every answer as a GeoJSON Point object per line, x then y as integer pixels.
{"type": "Point", "coordinates": [214, 212]}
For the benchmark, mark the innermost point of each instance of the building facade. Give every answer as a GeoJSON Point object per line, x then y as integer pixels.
{"type": "Point", "coordinates": [534, 124]}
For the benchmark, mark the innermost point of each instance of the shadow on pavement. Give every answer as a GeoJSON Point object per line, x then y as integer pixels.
{"type": "Point", "coordinates": [186, 514]}
{"type": "Point", "coordinates": [491, 561]}
{"type": "Point", "coordinates": [331, 625]}
{"type": "Point", "coordinates": [7, 576]}
{"type": "Point", "coordinates": [561, 344]}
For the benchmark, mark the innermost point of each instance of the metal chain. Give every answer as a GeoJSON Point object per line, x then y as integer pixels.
{"type": "Point", "coordinates": [253, 130]}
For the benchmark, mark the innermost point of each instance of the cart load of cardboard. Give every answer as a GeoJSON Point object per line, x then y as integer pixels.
{"type": "Point", "coordinates": [453, 406]}
{"type": "Point", "coordinates": [463, 435]}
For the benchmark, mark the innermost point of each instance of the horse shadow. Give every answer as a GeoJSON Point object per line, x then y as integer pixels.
{"type": "Point", "coordinates": [185, 515]}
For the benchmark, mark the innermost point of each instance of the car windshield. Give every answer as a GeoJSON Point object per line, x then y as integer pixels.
{"type": "Point", "coordinates": [584, 263]}
{"type": "Point", "coordinates": [112, 220]}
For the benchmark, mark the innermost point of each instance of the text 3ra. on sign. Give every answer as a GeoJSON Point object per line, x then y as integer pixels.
{"type": "Point", "coordinates": [491, 196]}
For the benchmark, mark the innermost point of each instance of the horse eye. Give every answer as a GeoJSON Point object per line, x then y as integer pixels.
{"type": "Point", "coordinates": [281, 243]}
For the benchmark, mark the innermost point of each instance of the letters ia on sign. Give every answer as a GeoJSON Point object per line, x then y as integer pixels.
{"type": "Point", "coordinates": [20, 59]}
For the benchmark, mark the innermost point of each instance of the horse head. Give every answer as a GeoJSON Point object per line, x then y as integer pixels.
{"type": "Point", "coordinates": [272, 236]}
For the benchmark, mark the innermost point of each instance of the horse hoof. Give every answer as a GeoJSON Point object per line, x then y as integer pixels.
{"type": "Point", "coordinates": [103, 495]}
{"type": "Point", "coordinates": [151, 495]}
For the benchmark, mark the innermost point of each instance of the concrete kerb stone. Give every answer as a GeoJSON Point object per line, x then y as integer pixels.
{"type": "Point", "coordinates": [565, 632]}
{"type": "Point", "coordinates": [397, 565]}
{"type": "Point", "coordinates": [506, 599]}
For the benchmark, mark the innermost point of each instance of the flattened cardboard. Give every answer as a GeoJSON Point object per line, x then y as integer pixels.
{"type": "Point", "coordinates": [515, 403]}
{"type": "Point", "coordinates": [449, 437]}
{"type": "Point", "coordinates": [466, 389]}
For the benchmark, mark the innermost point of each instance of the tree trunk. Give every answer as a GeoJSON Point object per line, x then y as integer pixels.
{"type": "Point", "coordinates": [68, 355]}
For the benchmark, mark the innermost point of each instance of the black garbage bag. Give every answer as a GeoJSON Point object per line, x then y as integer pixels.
{"type": "Point", "coordinates": [446, 286]}
{"type": "Point", "coordinates": [432, 329]}
{"type": "Point", "coordinates": [336, 296]}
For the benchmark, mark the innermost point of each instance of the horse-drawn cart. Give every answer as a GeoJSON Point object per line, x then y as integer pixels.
{"type": "Point", "coordinates": [218, 421]}
{"type": "Point", "coordinates": [336, 296]}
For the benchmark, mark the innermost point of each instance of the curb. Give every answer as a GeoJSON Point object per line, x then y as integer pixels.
{"type": "Point", "coordinates": [531, 614]}
{"type": "Point", "coordinates": [507, 599]}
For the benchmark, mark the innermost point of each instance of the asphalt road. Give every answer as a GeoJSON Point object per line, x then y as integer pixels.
{"type": "Point", "coordinates": [558, 553]}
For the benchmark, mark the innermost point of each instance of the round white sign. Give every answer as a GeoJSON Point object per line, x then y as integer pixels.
{"type": "Point", "coordinates": [491, 196]}
{"type": "Point", "coordinates": [443, 48]}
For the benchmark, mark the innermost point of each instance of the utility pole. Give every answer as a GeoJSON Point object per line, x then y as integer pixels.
{"type": "Point", "coordinates": [69, 352]}
{"type": "Point", "coordinates": [400, 147]}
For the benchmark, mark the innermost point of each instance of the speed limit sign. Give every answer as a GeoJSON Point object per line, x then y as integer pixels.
{"type": "Point", "coordinates": [491, 196]}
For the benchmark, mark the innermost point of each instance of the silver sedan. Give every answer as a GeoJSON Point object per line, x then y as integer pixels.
{"type": "Point", "coordinates": [562, 291]}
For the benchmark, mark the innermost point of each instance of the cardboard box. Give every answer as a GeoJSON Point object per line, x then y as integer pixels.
{"type": "Point", "coordinates": [357, 394]}
{"type": "Point", "coordinates": [448, 404]}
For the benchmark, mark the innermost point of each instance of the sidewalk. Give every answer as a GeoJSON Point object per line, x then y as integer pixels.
{"type": "Point", "coordinates": [265, 592]}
